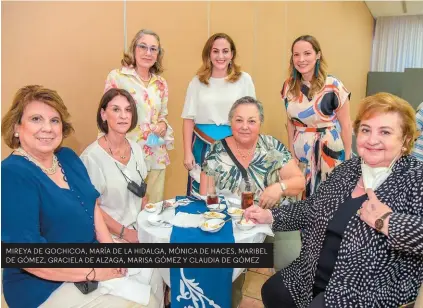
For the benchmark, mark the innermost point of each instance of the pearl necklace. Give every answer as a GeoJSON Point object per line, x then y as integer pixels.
{"type": "Point", "coordinates": [48, 171]}
{"type": "Point", "coordinates": [244, 156]}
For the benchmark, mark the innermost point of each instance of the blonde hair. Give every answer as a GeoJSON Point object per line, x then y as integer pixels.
{"type": "Point", "coordinates": [23, 98]}
{"type": "Point", "coordinates": [128, 59]}
{"type": "Point", "coordinates": [382, 103]}
{"type": "Point", "coordinates": [317, 83]}
{"type": "Point", "coordinates": [205, 71]}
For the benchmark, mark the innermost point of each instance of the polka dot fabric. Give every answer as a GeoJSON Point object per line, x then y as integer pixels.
{"type": "Point", "coordinates": [372, 270]}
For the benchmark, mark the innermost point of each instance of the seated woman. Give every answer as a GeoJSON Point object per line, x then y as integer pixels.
{"type": "Point", "coordinates": [363, 228]}
{"type": "Point", "coordinates": [113, 162]}
{"type": "Point", "coordinates": [47, 197]}
{"type": "Point", "coordinates": [267, 162]}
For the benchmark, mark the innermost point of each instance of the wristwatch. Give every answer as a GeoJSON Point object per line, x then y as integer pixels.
{"type": "Point", "coordinates": [283, 186]}
{"type": "Point", "coordinates": [379, 221]}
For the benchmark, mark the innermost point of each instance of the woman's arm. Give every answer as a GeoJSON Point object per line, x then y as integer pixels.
{"type": "Point", "coordinates": [405, 232]}
{"type": "Point", "coordinates": [343, 116]}
{"type": "Point", "coordinates": [293, 180]}
{"type": "Point", "coordinates": [115, 227]}
{"type": "Point", "coordinates": [101, 230]}
{"type": "Point", "coordinates": [188, 129]}
{"type": "Point", "coordinates": [291, 129]}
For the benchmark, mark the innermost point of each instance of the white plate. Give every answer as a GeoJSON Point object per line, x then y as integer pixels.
{"type": "Point", "coordinates": [216, 207]}
{"type": "Point", "coordinates": [211, 215]}
{"type": "Point", "coordinates": [211, 224]}
{"type": "Point", "coordinates": [245, 225]}
{"type": "Point", "coordinates": [235, 213]}
{"type": "Point", "coordinates": [154, 220]}
{"type": "Point", "coordinates": [234, 202]}
{"type": "Point", "coordinates": [150, 207]}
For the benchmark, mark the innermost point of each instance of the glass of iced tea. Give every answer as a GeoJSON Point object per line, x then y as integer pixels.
{"type": "Point", "coordinates": [247, 199]}
{"type": "Point", "coordinates": [212, 197]}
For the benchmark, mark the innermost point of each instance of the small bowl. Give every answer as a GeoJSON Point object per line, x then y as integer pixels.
{"type": "Point", "coordinates": [213, 215]}
{"type": "Point", "coordinates": [150, 207]}
{"type": "Point", "coordinates": [244, 225]}
{"type": "Point", "coordinates": [154, 220]}
{"type": "Point", "coordinates": [216, 207]}
{"type": "Point", "coordinates": [212, 225]}
{"type": "Point", "coordinates": [235, 213]}
{"type": "Point", "coordinates": [234, 202]}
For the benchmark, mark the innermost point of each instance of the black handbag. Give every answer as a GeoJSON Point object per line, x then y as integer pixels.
{"type": "Point", "coordinates": [86, 286]}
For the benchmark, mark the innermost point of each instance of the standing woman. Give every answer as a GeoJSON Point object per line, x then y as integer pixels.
{"type": "Point", "coordinates": [315, 103]}
{"type": "Point", "coordinates": [219, 82]}
{"type": "Point", "coordinates": [139, 75]}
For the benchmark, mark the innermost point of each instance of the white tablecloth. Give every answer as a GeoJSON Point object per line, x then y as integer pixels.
{"type": "Point", "coordinates": [150, 234]}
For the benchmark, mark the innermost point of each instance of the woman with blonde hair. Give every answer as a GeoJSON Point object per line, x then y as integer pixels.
{"type": "Point", "coordinates": [315, 104]}
{"type": "Point", "coordinates": [219, 82]}
{"type": "Point", "coordinates": [140, 76]}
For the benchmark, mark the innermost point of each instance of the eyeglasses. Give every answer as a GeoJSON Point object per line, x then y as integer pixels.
{"type": "Point", "coordinates": [144, 48]}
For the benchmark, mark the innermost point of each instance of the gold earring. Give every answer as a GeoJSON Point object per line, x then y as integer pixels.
{"type": "Point", "coordinates": [16, 135]}
{"type": "Point", "coordinates": [404, 149]}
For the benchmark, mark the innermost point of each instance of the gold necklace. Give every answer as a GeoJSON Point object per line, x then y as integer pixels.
{"type": "Point", "coordinates": [49, 171]}
{"type": "Point", "coordinates": [146, 82]}
{"type": "Point", "coordinates": [244, 156]}
{"type": "Point", "coordinates": [108, 144]}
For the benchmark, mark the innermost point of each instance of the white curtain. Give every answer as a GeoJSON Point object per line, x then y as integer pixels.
{"type": "Point", "coordinates": [398, 44]}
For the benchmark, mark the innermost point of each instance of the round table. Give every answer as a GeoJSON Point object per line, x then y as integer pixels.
{"type": "Point", "coordinates": [151, 234]}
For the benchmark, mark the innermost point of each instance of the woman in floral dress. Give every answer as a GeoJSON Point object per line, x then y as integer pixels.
{"type": "Point", "coordinates": [139, 75]}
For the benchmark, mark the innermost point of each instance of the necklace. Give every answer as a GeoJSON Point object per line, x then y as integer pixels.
{"type": "Point", "coordinates": [48, 171]}
{"type": "Point", "coordinates": [244, 156]}
{"type": "Point", "coordinates": [146, 81]}
{"type": "Point", "coordinates": [110, 149]}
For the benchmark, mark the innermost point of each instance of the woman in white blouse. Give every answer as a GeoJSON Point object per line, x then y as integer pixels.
{"type": "Point", "coordinates": [113, 161]}
{"type": "Point", "coordinates": [210, 95]}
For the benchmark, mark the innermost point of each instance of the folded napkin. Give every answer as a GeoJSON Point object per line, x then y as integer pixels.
{"type": "Point", "coordinates": [185, 220]}
{"type": "Point", "coordinates": [259, 228]}
{"type": "Point", "coordinates": [134, 287]}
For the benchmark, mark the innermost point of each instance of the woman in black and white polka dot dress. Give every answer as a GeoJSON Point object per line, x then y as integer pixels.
{"type": "Point", "coordinates": [363, 228]}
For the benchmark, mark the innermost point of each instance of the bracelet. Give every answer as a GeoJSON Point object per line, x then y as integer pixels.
{"type": "Point", "coordinates": [86, 277]}
{"type": "Point", "coordinates": [121, 232]}
{"type": "Point", "coordinates": [273, 219]}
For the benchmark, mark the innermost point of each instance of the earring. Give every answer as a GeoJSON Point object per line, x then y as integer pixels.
{"type": "Point", "coordinates": [16, 135]}
{"type": "Point", "coordinates": [404, 149]}
{"type": "Point", "coordinates": [294, 73]}
{"type": "Point", "coordinates": [316, 68]}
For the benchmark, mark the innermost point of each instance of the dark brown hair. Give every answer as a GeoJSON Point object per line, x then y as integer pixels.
{"type": "Point", "coordinates": [23, 98]}
{"type": "Point", "coordinates": [317, 83]}
{"type": "Point", "coordinates": [105, 100]}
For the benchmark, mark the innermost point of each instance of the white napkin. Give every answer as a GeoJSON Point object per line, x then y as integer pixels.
{"type": "Point", "coordinates": [262, 228]}
{"type": "Point", "coordinates": [134, 287]}
{"type": "Point", "coordinates": [186, 220]}
{"type": "Point", "coordinates": [195, 173]}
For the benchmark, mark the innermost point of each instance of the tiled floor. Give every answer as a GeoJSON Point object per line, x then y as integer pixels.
{"type": "Point", "coordinates": [252, 287]}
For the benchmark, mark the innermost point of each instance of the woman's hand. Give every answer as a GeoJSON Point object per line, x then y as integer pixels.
{"type": "Point", "coordinates": [373, 209]}
{"type": "Point", "coordinates": [189, 161]}
{"type": "Point", "coordinates": [130, 235]}
{"type": "Point", "coordinates": [102, 274]}
{"type": "Point", "coordinates": [258, 215]}
{"type": "Point", "coordinates": [160, 129]}
{"type": "Point", "coordinates": [270, 196]}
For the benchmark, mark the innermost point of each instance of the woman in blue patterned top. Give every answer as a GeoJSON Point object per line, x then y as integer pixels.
{"type": "Point", "coordinates": [47, 197]}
